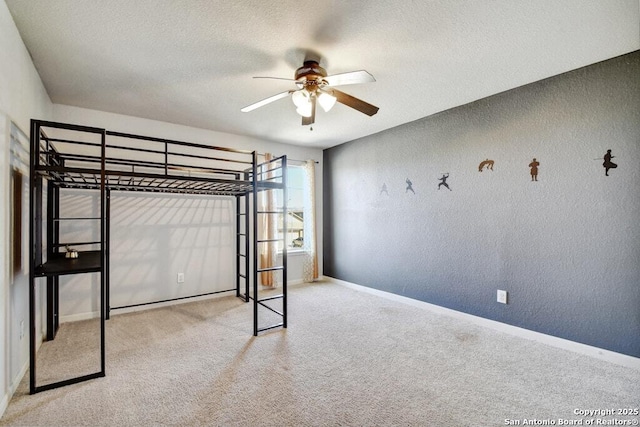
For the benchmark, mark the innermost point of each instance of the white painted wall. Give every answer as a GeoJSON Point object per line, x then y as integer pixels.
{"type": "Point", "coordinates": [156, 236]}
{"type": "Point", "coordinates": [5, 393]}
{"type": "Point", "coordinates": [22, 96]}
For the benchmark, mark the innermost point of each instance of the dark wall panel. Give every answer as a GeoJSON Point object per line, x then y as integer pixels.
{"type": "Point", "coordinates": [565, 247]}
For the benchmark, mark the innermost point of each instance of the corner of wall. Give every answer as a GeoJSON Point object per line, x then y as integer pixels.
{"type": "Point", "coordinates": [22, 97]}
{"type": "Point", "coordinates": [4, 262]}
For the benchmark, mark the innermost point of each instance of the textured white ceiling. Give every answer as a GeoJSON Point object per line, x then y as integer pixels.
{"type": "Point", "coordinates": [191, 62]}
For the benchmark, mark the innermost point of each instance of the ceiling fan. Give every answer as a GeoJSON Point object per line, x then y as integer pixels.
{"type": "Point", "coordinates": [315, 86]}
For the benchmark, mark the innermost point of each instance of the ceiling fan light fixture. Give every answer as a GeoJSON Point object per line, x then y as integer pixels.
{"type": "Point", "coordinates": [305, 110]}
{"type": "Point", "coordinates": [326, 100]}
{"type": "Point", "coordinates": [300, 98]}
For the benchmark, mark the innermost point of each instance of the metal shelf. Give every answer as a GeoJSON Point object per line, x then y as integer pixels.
{"type": "Point", "coordinates": [87, 262]}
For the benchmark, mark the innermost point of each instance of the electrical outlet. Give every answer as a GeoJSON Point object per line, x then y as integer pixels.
{"type": "Point", "coordinates": [180, 277]}
{"type": "Point", "coordinates": [502, 296]}
{"type": "Point", "coordinates": [21, 329]}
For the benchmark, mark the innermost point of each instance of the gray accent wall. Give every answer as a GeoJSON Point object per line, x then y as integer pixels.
{"type": "Point", "coordinates": [566, 248]}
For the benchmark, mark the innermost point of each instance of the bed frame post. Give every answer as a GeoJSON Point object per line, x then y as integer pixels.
{"type": "Point", "coordinates": [107, 241]}
{"type": "Point", "coordinates": [52, 312]}
{"type": "Point", "coordinates": [284, 241]}
{"type": "Point", "coordinates": [35, 255]}
{"type": "Point", "coordinates": [247, 245]}
{"type": "Point", "coordinates": [103, 248]}
{"type": "Point", "coordinates": [238, 235]}
{"type": "Point", "coordinates": [254, 183]}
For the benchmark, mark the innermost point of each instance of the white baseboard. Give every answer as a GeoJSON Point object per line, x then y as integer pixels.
{"type": "Point", "coordinates": [169, 303]}
{"type": "Point", "coordinates": [584, 349]}
{"type": "Point", "coordinates": [95, 315]}
{"type": "Point", "coordinates": [79, 316]}
{"type": "Point", "coordinates": [16, 381]}
{"type": "Point", "coordinates": [13, 386]}
{"type": "Point", "coordinates": [4, 403]}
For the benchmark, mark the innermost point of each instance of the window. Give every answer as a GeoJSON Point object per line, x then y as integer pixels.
{"type": "Point", "coordinates": [294, 220]}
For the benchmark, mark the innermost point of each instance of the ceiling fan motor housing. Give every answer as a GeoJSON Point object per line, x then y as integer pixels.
{"type": "Point", "coordinates": [311, 73]}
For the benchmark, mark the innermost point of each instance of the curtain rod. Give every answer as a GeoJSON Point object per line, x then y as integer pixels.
{"type": "Point", "coordinates": [293, 160]}
{"type": "Point", "coordinates": [301, 161]}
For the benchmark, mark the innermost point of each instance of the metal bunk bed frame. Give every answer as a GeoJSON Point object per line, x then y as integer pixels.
{"type": "Point", "coordinates": [93, 163]}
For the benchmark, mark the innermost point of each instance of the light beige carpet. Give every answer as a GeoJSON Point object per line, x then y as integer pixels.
{"type": "Point", "coordinates": [348, 358]}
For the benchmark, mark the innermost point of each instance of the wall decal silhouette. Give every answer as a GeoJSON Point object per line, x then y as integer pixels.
{"type": "Point", "coordinates": [443, 181]}
{"type": "Point", "coordinates": [608, 164]}
{"type": "Point", "coordinates": [534, 169]}
{"type": "Point", "coordinates": [486, 164]}
{"type": "Point", "coordinates": [409, 186]}
{"type": "Point", "coordinates": [384, 189]}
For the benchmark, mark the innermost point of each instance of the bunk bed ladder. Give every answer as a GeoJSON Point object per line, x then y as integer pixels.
{"type": "Point", "coordinates": [242, 243]}
{"type": "Point", "coordinates": [258, 172]}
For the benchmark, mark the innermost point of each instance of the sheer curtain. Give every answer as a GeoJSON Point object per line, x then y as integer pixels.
{"type": "Point", "coordinates": [268, 229]}
{"type": "Point", "coordinates": [310, 267]}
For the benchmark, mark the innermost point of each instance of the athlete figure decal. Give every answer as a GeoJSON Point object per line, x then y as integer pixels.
{"type": "Point", "coordinates": [608, 164]}
{"type": "Point", "coordinates": [409, 186]}
{"type": "Point", "coordinates": [534, 169]}
{"type": "Point", "coordinates": [443, 181]}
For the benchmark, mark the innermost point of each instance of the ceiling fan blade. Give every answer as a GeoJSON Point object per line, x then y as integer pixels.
{"type": "Point", "coordinates": [266, 101]}
{"type": "Point", "coordinates": [274, 78]}
{"type": "Point", "coordinates": [306, 121]}
{"type": "Point", "coordinates": [355, 103]}
{"type": "Point", "coordinates": [350, 78]}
